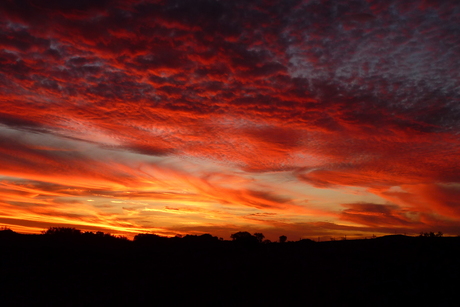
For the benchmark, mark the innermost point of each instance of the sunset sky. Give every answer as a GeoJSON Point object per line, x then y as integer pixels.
{"type": "Point", "coordinates": [300, 118]}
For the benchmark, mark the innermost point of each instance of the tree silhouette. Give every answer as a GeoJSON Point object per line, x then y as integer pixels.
{"type": "Point", "coordinates": [244, 238]}
{"type": "Point", "coordinates": [431, 234]}
{"type": "Point", "coordinates": [259, 236]}
{"type": "Point", "coordinates": [63, 231]}
{"type": "Point", "coordinates": [241, 235]}
{"type": "Point", "coordinates": [283, 239]}
{"type": "Point", "coordinates": [201, 239]}
{"type": "Point", "coordinates": [148, 238]}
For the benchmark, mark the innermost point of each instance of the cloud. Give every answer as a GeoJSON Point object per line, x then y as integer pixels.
{"type": "Point", "coordinates": [331, 95]}
{"type": "Point", "coordinates": [377, 215]}
{"type": "Point", "coordinates": [439, 198]}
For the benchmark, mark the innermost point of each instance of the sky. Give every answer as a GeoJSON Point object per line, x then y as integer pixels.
{"type": "Point", "coordinates": [304, 118]}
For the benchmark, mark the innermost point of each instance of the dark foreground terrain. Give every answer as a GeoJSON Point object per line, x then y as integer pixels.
{"type": "Point", "coordinates": [41, 270]}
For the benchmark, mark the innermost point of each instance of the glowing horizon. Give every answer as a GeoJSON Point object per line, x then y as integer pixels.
{"type": "Point", "coordinates": [299, 118]}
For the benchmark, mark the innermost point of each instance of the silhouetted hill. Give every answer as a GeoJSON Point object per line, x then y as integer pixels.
{"type": "Point", "coordinates": [99, 270]}
{"type": "Point", "coordinates": [6, 234]}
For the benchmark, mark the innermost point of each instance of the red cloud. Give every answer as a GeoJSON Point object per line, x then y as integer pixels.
{"type": "Point", "coordinates": [378, 215]}
{"type": "Point", "coordinates": [439, 198]}
{"type": "Point", "coordinates": [351, 94]}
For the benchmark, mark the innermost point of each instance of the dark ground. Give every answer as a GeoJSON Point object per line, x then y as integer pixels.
{"type": "Point", "coordinates": [39, 270]}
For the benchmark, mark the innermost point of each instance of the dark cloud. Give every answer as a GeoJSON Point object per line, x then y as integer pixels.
{"type": "Point", "coordinates": [377, 215]}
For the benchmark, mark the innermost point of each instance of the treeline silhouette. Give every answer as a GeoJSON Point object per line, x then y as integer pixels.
{"type": "Point", "coordinates": [69, 267]}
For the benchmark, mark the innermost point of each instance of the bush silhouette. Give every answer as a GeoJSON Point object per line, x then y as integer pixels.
{"type": "Point", "coordinates": [431, 234]}
{"type": "Point", "coordinates": [62, 232]}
